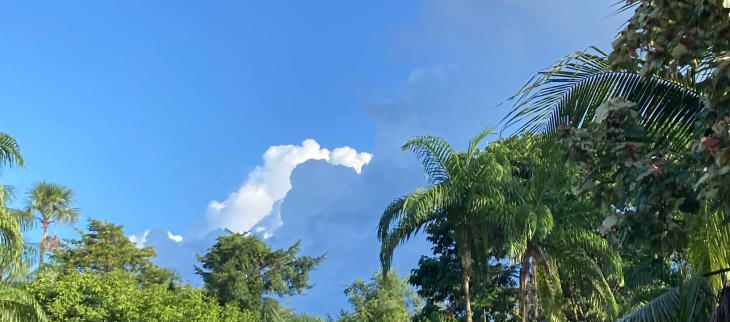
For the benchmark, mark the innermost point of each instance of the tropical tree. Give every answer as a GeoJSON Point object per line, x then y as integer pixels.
{"type": "Point", "coordinates": [241, 269]}
{"type": "Point", "coordinates": [380, 300]}
{"type": "Point", "coordinates": [105, 248]}
{"type": "Point", "coordinates": [116, 296]}
{"type": "Point", "coordinates": [647, 125]}
{"type": "Point", "coordinates": [438, 280]}
{"type": "Point", "coordinates": [51, 203]}
{"type": "Point", "coordinates": [552, 236]}
{"type": "Point", "coordinates": [15, 304]}
{"type": "Point", "coordinates": [463, 186]}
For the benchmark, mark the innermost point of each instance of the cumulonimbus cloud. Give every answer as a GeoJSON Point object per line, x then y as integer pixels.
{"type": "Point", "coordinates": [269, 183]}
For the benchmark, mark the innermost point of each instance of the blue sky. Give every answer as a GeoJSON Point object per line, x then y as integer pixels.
{"type": "Point", "coordinates": [159, 114]}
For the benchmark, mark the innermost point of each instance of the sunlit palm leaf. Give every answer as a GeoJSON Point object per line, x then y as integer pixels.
{"type": "Point", "coordinates": [475, 141]}
{"type": "Point", "coordinates": [569, 91]}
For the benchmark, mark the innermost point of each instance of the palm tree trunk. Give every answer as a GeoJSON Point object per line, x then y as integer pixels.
{"type": "Point", "coordinates": [43, 243]}
{"type": "Point", "coordinates": [524, 274]}
{"type": "Point", "coordinates": [467, 301]}
{"type": "Point", "coordinates": [465, 254]}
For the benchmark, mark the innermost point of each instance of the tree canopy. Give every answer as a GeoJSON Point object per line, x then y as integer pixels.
{"type": "Point", "coordinates": [240, 269]}
{"type": "Point", "coordinates": [390, 300]}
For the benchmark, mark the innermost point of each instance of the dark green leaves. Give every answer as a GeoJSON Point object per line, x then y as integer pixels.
{"type": "Point", "coordinates": [240, 269]}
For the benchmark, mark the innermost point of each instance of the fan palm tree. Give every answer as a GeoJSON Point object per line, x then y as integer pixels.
{"type": "Point", "coordinates": [464, 186]}
{"type": "Point", "coordinates": [51, 203]}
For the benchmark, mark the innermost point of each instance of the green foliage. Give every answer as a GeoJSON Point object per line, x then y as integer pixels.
{"type": "Point", "coordinates": [116, 296]}
{"type": "Point", "coordinates": [463, 186]}
{"type": "Point", "coordinates": [9, 151]}
{"type": "Point", "coordinates": [550, 235]}
{"type": "Point", "coordinates": [570, 91]}
{"type": "Point", "coordinates": [50, 203]}
{"type": "Point", "coordinates": [439, 281]}
{"type": "Point", "coordinates": [15, 304]}
{"type": "Point", "coordinates": [380, 300]}
{"type": "Point", "coordinates": [273, 312]}
{"type": "Point", "coordinates": [240, 269]}
{"type": "Point", "coordinates": [105, 248]}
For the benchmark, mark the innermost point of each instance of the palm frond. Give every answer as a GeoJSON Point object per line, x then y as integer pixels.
{"type": "Point", "coordinates": [9, 151]}
{"type": "Point", "coordinates": [548, 288]}
{"type": "Point", "coordinates": [666, 308]}
{"type": "Point", "coordinates": [409, 212]}
{"type": "Point", "coordinates": [474, 143]}
{"type": "Point", "coordinates": [272, 311]}
{"type": "Point", "coordinates": [437, 157]}
{"type": "Point", "coordinates": [11, 239]}
{"type": "Point", "coordinates": [18, 306]}
{"type": "Point", "coordinates": [707, 249]}
{"type": "Point", "coordinates": [405, 217]}
{"type": "Point", "coordinates": [26, 220]}
{"type": "Point", "coordinates": [569, 91]}
{"type": "Point", "coordinates": [623, 6]}
{"type": "Point", "coordinates": [578, 267]}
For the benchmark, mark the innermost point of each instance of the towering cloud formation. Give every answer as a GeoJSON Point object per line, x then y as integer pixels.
{"type": "Point", "coordinates": [269, 183]}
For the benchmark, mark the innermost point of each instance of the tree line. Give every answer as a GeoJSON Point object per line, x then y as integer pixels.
{"type": "Point", "coordinates": [610, 202]}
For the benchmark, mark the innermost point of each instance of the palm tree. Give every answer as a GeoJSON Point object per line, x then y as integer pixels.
{"type": "Point", "coordinates": [464, 186]}
{"type": "Point", "coordinates": [15, 305]}
{"type": "Point", "coordinates": [569, 92]}
{"type": "Point", "coordinates": [551, 233]}
{"type": "Point", "coordinates": [51, 203]}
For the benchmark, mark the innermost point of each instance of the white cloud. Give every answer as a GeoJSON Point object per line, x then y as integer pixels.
{"type": "Point", "coordinates": [270, 183]}
{"type": "Point", "coordinates": [348, 157]}
{"type": "Point", "coordinates": [176, 238]}
{"type": "Point", "coordinates": [140, 238]}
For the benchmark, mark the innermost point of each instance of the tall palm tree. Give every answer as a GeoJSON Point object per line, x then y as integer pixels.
{"type": "Point", "coordinates": [51, 203]}
{"type": "Point", "coordinates": [15, 305]}
{"type": "Point", "coordinates": [464, 186]}
{"type": "Point", "coordinates": [551, 234]}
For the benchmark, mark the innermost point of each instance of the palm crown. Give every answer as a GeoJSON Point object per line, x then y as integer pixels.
{"type": "Point", "coordinates": [49, 203]}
